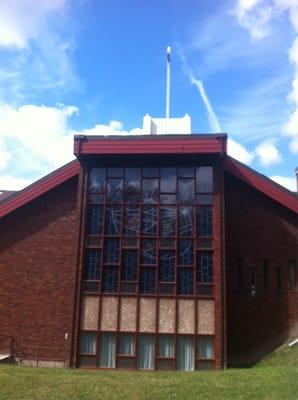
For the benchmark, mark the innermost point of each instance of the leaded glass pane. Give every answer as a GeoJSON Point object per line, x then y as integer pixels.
{"type": "Point", "coordinates": [168, 180]}
{"type": "Point", "coordinates": [204, 180]}
{"type": "Point", "coordinates": [150, 172]}
{"type": "Point", "coordinates": [167, 266]}
{"type": "Point", "coordinates": [167, 221]}
{"type": "Point", "coordinates": [110, 279]}
{"type": "Point", "coordinates": [113, 221]}
{"type": "Point", "coordinates": [186, 191]}
{"type": "Point", "coordinates": [97, 178]}
{"type": "Point", "coordinates": [115, 172]}
{"type": "Point", "coordinates": [147, 280]}
{"type": "Point", "coordinates": [185, 281]}
{"type": "Point", "coordinates": [204, 221]}
{"type": "Point", "coordinates": [129, 265]}
{"type": "Point", "coordinates": [131, 220]}
{"type": "Point", "coordinates": [148, 251]}
{"type": "Point", "coordinates": [186, 221]}
{"type": "Point", "coordinates": [133, 198]}
{"type": "Point", "coordinates": [204, 267]}
{"type": "Point", "coordinates": [95, 221]}
{"type": "Point", "coordinates": [92, 266]}
{"type": "Point", "coordinates": [112, 251]}
{"type": "Point", "coordinates": [115, 190]}
{"type": "Point", "coordinates": [132, 180]}
{"type": "Point", "coordinates": [149, 221]}
{"type": "Point", "coordinates": [186, 172]}
{"type": "Point", "coordinates": [185, 252]}
{"type": "Point", "coordinates": [150, 190]}
{"type": "Point", "coordinates": [168, 198]}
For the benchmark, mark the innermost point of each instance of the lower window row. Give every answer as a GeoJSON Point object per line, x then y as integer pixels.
{"type": "Point", "coordinates": [187, 354]}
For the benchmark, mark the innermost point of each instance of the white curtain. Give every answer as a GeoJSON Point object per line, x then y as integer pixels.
{"type": "Point", "coordinates": [127, 344]}
{"type": "Point", "coordinates": [185, 353]}
{"type": "Point", "coordinates": [107, 350]}
{"type": "Point", "coordinates": [205, 346]}
{"type": "Point", "coordinates": [88, 343]}
{"type": "Point", "coordinates": [146, 352]}
{"type": "Point", "coordinates": [165, 346]}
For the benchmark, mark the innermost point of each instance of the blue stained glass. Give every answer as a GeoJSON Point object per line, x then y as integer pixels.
{"type": "Point", "coordinates": [205, 267]}
{"type": "Point", "coordinates": [204, 221]}
{"type": "Point", "coordinates": [129, 265]}
{"type": "Point", "coordinates": [149, 221]}
{"type": "Point", "coordinates": [110, 279]}
{"type": "Point", "coordinates": [167, 221]}
{"type": "Point", "coordinates": [167, 266]}
{"type": "Point", "coordinates": [186, 191]}
{"type": "Point", "coordinates": [132, 180]}
{"type": "Point", "coordinates": [112, 251]}
{"type": "Point", "coordinates": [186, 221]}
{"type": "Point", "coordinates": [131, 220]}
{"type": "Point", "coordinates": [185, 252]}
{"type": "Point", "coordinates": [95, 221]}
{"type": "Point", "coordinates": [148, 252]}
{"type": "Point", "coordinates": [92, 266]}
{"type": "Point", "coordinates": [185, 281]}
{"type": "Point", "coordinates": [97, 178]}
{"type": "Point", "coordinates": [147, 281]}
{"type": "Point", "coordinates": [113, 221]}
{"type": "Point", "coordinates": [150, 190]}
{"type": "Point", "coordinates": [115, 190]}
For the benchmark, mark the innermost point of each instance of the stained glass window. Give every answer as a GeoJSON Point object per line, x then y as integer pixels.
{"type": "Point", "coordinates": [110, 279]}
{"type": "Point", "coordinates": [149, 221]}
{"type": "Point", "coordinates": [92, 266]}
{"type": "Point", "coordinates": [185, 252]}
{"type": "Point", "coordinates": [129, 265]}
{"type": "Point", "coordinates": [168, 180]}
{"type": "Point", "coordinates": [148, 251]}
{"type": "Point", "coordinates": [95, 221]}
{"type": "Point", "coordinates": [186, 172]}
{"type": "Point", "coordinates": [115, 190]}
{"type": "Point", "coordinates": [204, 221]}
{"type": "Point", "coordinates": [186, 191]}
{"type": "Point", "coordinates": [186, 221]}
{"type": "Point", "coordinates": [168, 221]}
{"type": "Point", "coordinates": [150, 190]}
{"type": "Point", "coordinates": [147, 281]}
{"type": "Point", "coordinates": [167, 266]}
{"type": "Point", "coordinates": [115, 172]}
{"type": "Point", "coordinates": [131, 220]}
{"type": "Point", "coordinates": [185, 281]}
{"type": "Point", "coordinates": [204, 180]}
{"type": "Point", "coordinates": [132, 180]}
{"type": "Point", "coordinates": [204, 267]}
{"type": "Point", "coordinates": [97, 179]}
{"type": "Point", "coordinates": [112, 251]}
{"type": "Point", "coordinates": [113, 221]}
{"type": "Point", "coordinates": [151, 172]}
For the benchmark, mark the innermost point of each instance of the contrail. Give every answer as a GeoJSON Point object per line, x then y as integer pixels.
{"type": "Point", "coordinates": [212, 117]}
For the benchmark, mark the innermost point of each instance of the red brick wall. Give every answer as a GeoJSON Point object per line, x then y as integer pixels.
{"type": "Point", "coordinates": [258, 228]}
{"type": "Point", "coordinates": [37, 267]}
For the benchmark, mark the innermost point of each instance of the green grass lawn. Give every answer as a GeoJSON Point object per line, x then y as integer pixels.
{"type": "Point", "coordinates": [276, 377]}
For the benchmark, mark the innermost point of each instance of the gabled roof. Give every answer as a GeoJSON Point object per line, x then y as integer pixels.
{"type": "Point", "coordinates": [4, 194]}
{"type": "Point", "coordinates": [262, 183]}
{"type": "Point", "coordinates": [241, 171]}
{"type": "Point", "coordinates": [39, 187]}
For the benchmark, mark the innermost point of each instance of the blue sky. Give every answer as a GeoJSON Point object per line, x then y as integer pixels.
{"type": "Point", "coordinates": [92, 66]}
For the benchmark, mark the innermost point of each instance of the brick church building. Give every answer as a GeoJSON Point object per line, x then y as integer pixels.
{"type": "Point", "coordinates": [155, 252]}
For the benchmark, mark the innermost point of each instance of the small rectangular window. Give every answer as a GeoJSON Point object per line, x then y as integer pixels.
{"type": "Point", "coordinates": [129, 265]}
{"type": "Point", "coordinates": [148, 252]}
{"type": "Point", "coordinates": [167, 266]}
{"type": "Point", "coordinates": [113, 221]}
{"type": "Point", "coordinates": [150, 191]}
{"type": "Point", "coordinates": [88, 343]}
{"type": "Point", "coordinates": [205, 347]}
{"type": "Point", "coordinates": [204, 267]}
{"type": "Point", "coordinates": [107, 350]}
{"type": "Point", "coordinates": [185, 252]}
{"type": "Point", "coordinates": [97, 178]}
{"type": "Point", "coordinates": [133, 180]}
{"type": "Point", "coordinates": [168, 180]}
{"type": "Point", "coordinates": [186, 190]}
{"type": "Point", "coordinates": [165, 346]}
{"type": "Point", "coordinates": [126, 344]}
{"type": "Point", "coordinates": [204, 221]}
{"type": "Point", "coordinates": [292, 274]}
{"type": "Point", "coordinates": [115, 190]}
{"type": "Point", "coordinates": [112, 251]}
{"type": "Point", "coordinates": [95, 220]}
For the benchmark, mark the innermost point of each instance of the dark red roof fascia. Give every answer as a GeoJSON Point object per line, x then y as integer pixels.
{"type": "Point", "coordinates": [39, 187]}
{"type": "Point", "coordinates": [262, 183]}
{"type": "Point", "coordinates": [150, 144]}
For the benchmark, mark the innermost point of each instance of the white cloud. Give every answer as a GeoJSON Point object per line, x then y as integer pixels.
{"type": "Point", "coordinates": [113, 128]}
{"type": "Point", "coordinates": [8, 182]}
{"type": "Point", "coordinates": [238, 151]}
{"type": "Point", "coordinates": [288, 182]}
{"type": "Point", "coordinates": [23, 20]}
{"type": "Point", "coordinates": [267, 153]}
{"type": "Point", "coordinates": [4, 155]}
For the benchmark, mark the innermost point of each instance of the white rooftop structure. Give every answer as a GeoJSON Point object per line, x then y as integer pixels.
{"type": "Point", "coordinates": [162, 126]}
